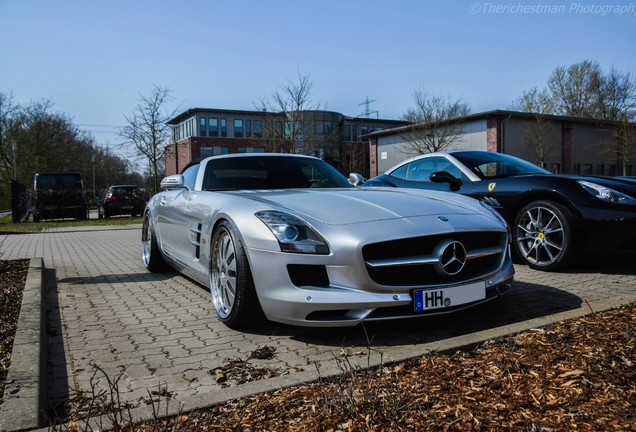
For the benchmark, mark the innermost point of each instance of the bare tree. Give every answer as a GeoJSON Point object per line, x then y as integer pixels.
{"type": "Point", "coordinates": [577, 89]}
{"type": "Point", "coordinates": [539, 136]}
{"type": "Point", "coordinates": [289, 125]}
{"type": "Point", "coordinates": [147, 130]}
{"type": "Point", "coordinates": [535, 101]}
{"type": "Point", "coordinates": [438, 123]}
{"type": "Point", "coordinates": [617, 99]}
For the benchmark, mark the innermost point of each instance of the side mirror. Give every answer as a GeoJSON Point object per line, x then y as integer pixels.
{"type": "Point", "coordinates": [446, 177]}
{"type": "Point", "coordinates": [174, 181]}
{"type": "Point", "coordinates": [356, 179]}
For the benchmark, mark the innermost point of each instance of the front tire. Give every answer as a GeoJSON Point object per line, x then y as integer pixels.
{"type": "Point", "coordinates": [150, 253]}
{"type": "Point", "coordinates": [544, 235]}
{"type": "Point", "coordinates": [231, 285]}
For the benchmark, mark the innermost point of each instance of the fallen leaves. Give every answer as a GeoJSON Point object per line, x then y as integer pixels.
{"type": "Point", "coordinates": [575, 375]}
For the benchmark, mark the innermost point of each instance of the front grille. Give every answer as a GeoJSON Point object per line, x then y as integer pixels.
{"type": "Point", "coordinates": [415, 261]}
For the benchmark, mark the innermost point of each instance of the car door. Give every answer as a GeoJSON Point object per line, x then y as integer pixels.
{"type": "Point", "coordinates": [172, 223]}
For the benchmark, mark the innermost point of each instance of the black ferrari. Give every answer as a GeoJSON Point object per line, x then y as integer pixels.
{"type": "Point", "coordinates": [552, 217]}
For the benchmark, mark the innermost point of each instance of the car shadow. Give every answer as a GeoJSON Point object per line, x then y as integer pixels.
{"type": "Point", "coordinates": [524, 302]}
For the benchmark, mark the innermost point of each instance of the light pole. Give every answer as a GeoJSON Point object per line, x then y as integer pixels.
{"type": "Point", "coordinates": [94, 192]}
{"type": "Point", "coordinates": [14, 145]}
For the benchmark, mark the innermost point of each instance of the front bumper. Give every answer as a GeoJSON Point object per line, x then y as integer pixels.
{"type": "Point", "coordinates": [350, 297]}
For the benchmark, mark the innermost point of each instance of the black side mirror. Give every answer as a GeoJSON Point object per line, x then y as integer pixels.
{"type": "Point", "coordinates": [446, 177]}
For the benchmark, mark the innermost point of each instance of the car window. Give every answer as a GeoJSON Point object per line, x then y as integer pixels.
{"type": "Point", "coordinates": [421, 170]}
{"type": "Point", "coordinates": [488, 165]}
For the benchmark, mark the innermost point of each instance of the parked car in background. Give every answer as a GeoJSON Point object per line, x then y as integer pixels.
{"type": "Point", "coordinates": [552, 217]}
{"type": "Point", "coordinates": [58, 195]}
{"type": "Point", "coordinates": [122, 200]}
{"type": "Point", "coordinates": [289, 237]}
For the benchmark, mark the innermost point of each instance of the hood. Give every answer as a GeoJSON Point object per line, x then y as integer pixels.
{"type": "Point", "coordinates": [350, 206]}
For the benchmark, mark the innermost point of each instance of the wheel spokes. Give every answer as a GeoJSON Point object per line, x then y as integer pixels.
{"type": "Point", "coordinates": [223, 274]}
{"type": "Point", "coordinates": [540, 236]}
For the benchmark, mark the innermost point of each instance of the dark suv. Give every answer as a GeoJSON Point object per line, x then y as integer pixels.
{"type": "Point", "coordinates": [58, 195]}
{"type": "Point", "coordinates": [122, 200]}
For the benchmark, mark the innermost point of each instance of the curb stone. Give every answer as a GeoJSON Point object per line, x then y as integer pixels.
{"type": "Point", "coordinates": [25, 393]}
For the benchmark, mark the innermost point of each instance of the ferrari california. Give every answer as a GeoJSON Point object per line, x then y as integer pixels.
{"type": "Point", "coordinates": [552, 217]}
{"type": "Point", "coordinates": [289, 238]}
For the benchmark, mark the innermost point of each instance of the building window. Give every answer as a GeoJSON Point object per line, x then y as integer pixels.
{"type": "Point", "coordinates": [202, 130]}
{"type": "Point", "coordinates": [587, 169]}
{"type": "Point", "coordinates": [611, 170]}
{"type": "Point", "coordinates": [364, 130]}
{"type": "Point", "coordinates": [354, 133]}
{"type": "Point", "coordinates": [600, 169]}
{"type": "Point", "coordinates": [223, 127]}
{"type": "Point", "coordinates": [347, 133]}
{"type": "Point", "coordinates": [327, 127]}
{"type": "Point", "coordinates": [576, 168]}
{"type": "Point", "coordinates": [251, 150]}
{"type": "Point", "coordinates": [238, 128]}
{"type": "Point", "coordinates": [213, 126]}
{"type": "Point", "coordinates": [248, 128]}
{"type": "Point", "coordinates": [556, 168]}
{"type": "Point", "coordinates": [213, 151]}
{"type": "Point", "coordinates": [258, 128]}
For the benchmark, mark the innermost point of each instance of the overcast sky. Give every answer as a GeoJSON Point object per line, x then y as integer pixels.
{"type": "Point", "coordinates": [93, 59]}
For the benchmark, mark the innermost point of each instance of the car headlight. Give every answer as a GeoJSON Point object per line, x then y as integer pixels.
{"type": "Point", "coordinates": [293, 234]}
{"type": "Point", "coordinates": [606, 194]}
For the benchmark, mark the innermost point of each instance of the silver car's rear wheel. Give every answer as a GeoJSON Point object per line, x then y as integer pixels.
{"type": "Point", "coordinates": [150, 253]}
{"type": "Point", "coordinates": [543, 235]}
{"type": "Point", "coordinates": [231, 286]}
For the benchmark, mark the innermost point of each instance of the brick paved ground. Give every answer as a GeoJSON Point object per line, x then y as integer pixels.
{"type": "Point", "coordinates": [159, 331]}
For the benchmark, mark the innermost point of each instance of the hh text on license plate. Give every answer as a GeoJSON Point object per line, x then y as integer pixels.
{"type": "Point", "coordinates": [453, 296]}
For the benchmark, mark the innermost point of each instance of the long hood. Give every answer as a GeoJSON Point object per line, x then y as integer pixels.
{"type": "Point", "coordinates": [350, 206]}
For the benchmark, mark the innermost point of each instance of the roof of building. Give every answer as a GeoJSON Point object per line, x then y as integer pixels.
{"type": "Point", "coordinates": [500, 113]}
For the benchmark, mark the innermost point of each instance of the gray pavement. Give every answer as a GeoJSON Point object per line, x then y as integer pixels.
{"type": "Point", "coordinates": [157, 334]}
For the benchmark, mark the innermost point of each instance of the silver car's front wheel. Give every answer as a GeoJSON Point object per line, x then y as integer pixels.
{"type": "Point", "coordinates": [231, 286]}
{"type": "Point", "coordinates": [543, 235]}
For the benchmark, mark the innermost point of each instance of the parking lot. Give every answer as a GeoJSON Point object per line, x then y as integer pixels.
{"type": "Point", "coordinates": [158, 333]}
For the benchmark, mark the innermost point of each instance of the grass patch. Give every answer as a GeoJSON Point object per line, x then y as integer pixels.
{"type": "Point", "coordinates": [7, 225]}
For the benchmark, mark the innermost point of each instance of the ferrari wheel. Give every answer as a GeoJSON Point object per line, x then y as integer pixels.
{"type": "Point", "coordinates": [150, 253]}
{"type": "Point", "coordinates": [231, 284]}
{"type": "Point", "coordinates": [544, 235]}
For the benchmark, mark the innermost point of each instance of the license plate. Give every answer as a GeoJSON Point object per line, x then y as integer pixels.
{"type": "Point", "coordinates": [424, 300]}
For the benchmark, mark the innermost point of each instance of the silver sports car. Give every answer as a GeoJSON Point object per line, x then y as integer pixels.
{"type": "Point", "coordinates": [290, 238]}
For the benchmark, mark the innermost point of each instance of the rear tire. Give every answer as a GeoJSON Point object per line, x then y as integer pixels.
{"type": "Point", "coordinates": [231, 284]}
{"type": "Point", "coordinates": [150, 252]}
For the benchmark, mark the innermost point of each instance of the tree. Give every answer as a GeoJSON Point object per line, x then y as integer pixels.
{"type": "Point", "coordinates": [535, 100]}
{"type": "Point", "coordinates": [438, 123]}
{"type": "Point", "coordinates": [540, 138]}
{"type": "Point", "coordinates": [577, 89]}
{"type": "Point", "coordinates": [617, 100]}
{"type": "Point", "coordinates": [148, 132]}
{"type": "Point", "coordinates": [289, 125]}
{"type": "Point", "coordinates": [49, 141]}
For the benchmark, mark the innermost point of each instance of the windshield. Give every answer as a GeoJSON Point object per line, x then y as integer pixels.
{"type": "Point", "coordinates": [489, 165]}
{"type": "Point", "coordinates": [270, 172]}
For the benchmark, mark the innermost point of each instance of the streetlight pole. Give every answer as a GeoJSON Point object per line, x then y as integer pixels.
{"type": "Point", "coordinates": [94, 192]}
{"type": "Point", "coordinates": [14, 145]}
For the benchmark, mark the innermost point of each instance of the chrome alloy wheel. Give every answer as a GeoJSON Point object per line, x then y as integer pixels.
{"type": "Point", "coordinates": [540, 236]}
{"type": "Point", "coordinates": [146, 241]}
{"type": "Point", "coordinates": [223, 273]}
